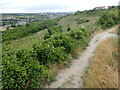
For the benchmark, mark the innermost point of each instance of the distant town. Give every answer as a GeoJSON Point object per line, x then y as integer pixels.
{"type": "Point", "coordinates": [12, 20]}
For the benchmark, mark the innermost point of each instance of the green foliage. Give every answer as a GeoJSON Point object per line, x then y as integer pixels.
{"type": "Point", "coordinates": [65, 41]}
{"type": "Point", "coordinates": [80, 33]}
{"type": "Point", "coordinates": [48, 54]}
{"type": "Point", "coordinates": [79, 21]}
{"type": "Point", "coordinates": [28, 29]}
{"type": "Point", "coordinates": [52, 30]}
{"type": "Point", "coordinates": [47, 35]}
{"type": "Point", "coordinates": [108, 19]}
{"type": "Point", "coordinates": [20, 70]}
{"type": "Point", "coordinates": [56, 48]}
{"type": "Point", "coordinates": [78, 12]}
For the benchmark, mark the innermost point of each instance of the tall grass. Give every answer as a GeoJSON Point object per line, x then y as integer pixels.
{"type": "Point", "coordinates": [103, 72]}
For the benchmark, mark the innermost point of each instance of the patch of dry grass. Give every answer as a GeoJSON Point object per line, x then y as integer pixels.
{"type": "Point", "coordinates": [103, 72]}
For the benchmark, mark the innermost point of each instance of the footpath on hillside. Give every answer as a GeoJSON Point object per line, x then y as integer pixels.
{"type": "Point", "coordinates": [72, 77]}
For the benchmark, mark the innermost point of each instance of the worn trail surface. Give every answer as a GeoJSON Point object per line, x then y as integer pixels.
{"type": "Point", "coordinates": [72, 77]}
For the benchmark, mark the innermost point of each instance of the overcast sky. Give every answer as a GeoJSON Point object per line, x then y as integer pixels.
{"type": "Point", "coordinates": [36, 6]}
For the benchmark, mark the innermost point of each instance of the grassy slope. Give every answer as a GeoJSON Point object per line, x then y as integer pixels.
{"type": "Point", "coordinates": [25, 42]}
{"type": "Point", "coordinates": [93, 16]}
{"type": "Point", "coordinates": [70, 20]}
{"type": "Point", "coordinates": [103, 72]}
{"type": "Point", "coordinates": [28, 41]}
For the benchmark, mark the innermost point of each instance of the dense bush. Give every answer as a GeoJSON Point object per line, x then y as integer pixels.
{"type": "Point", "coordinates": [79, 21]}
{"type": "Point", "coordinates": [65, 41]}
{"type": "Point", "coordinates": [58, 46]}
{"type": "Point", "coordinates": [47, 54]}
{"type": "Point", "coordinates": [108, 19]}
{"type": "Point", "coordinates": [22, 71]}
{"type": "Point", "coordinates": [52, 30]}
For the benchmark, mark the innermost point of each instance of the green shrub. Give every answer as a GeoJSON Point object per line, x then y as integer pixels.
{"type": "Point", "coordinates": [80, 21]}
{"type": "Point", "coordinates": [48, 54]}
{"type": "Point", "coordinates": [108, 19]}
{"type": "Point", "coordinates": [65, 41]}
{"type": "Point", "coordinates": [22, 71]}
{"type": "Point", "coordinates": [56, 48]}
{"type": "Point", "coordinates": [46, 36]}
{"type": "Point", "coordinates": [80, 33]}
{"type": "Point", "coordinates": [52, 30]}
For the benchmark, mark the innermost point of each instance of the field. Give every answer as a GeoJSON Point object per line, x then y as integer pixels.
{"type": "Point", "coordinates": [24, 43]}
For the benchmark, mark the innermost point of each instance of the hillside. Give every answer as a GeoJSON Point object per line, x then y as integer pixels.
{"type": "Point", "coordinates": [64, 22]}
{"type": "Point", "coordinates": [34, 53]}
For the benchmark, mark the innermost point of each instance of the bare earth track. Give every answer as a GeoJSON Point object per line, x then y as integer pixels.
{"type": "Point", "coordinates": [72, 77]}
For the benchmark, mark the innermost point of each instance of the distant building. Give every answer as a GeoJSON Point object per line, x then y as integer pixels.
{"type": "Point", "coordinates": [100, 7]}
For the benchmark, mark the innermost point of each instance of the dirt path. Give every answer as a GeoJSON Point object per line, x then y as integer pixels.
{"type": "Point", "coordinates": [72, 77]}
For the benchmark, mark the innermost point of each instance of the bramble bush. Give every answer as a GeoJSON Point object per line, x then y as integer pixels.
{"type": "Point", "coordinates": [108, 19]}
{"type": "Point", "coordinates": [20, 70]}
